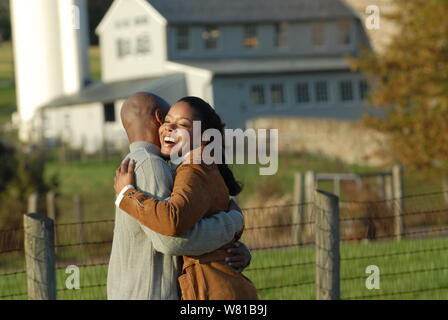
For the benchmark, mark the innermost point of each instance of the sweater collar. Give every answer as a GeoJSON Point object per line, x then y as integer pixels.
{"type": "Point", "coordinates": [151, 148]}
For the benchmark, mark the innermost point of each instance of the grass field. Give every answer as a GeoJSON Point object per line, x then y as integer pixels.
{"type": "Point", "coordinates": [93, 180]}
{"type": "Point", "coordinates": [411, 269]}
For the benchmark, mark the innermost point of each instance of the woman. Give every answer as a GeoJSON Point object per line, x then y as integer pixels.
{"type": "Point", "coordinates": [200, 190]}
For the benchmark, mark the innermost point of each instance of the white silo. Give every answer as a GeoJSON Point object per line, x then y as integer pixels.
{"type": "Point", "coordinates": [74, 35]}
{"type": "Point", "coordinates": [50, 54]}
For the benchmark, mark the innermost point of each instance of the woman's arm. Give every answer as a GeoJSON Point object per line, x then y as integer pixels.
{"type": "Point", "coordinates": [189, 202]}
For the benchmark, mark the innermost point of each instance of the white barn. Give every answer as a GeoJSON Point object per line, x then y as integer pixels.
{"type": "Point", "coordinates": [248, 58]}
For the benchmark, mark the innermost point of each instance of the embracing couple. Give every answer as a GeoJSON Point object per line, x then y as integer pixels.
{"type": "Point", "coordinates": [176, 230]}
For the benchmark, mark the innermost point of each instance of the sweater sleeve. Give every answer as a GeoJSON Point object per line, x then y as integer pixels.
{"type": "Point", "coordinates": [188, 203]}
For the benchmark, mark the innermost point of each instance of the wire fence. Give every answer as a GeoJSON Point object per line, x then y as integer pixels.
{"type": "Point", "coordinates": [284, 252]}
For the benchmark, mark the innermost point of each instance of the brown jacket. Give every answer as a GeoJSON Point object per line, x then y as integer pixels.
{"type": "Point", "coordinates": [199, 191]}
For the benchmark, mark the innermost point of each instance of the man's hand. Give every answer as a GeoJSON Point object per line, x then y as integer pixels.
{"type": "Point", "coordinates": [124, 175]}
{"type": "Point", "coordinates": [239, 257]}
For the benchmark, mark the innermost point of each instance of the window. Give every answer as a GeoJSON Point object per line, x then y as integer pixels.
{"type": "Point", "coordinates": [277, 94]}
{"type": "Point", "coordinates": [346, 90]}
{"type": "Point", "coordinates": [250, 36]}
{"type": "Point", "coordinates": [141, 20]}
{"type": "Point", "coordinates": [123, 47]}
{"type": "Point", "coordinates": [182, 38]}
{"type": "Point", "coordinates": [109, 112]}
{"type": "Point", "coordinates": [143, 45]}
{"type": "Point", "coordinates": [321, 91]}
{"type": "Point", "coordinates": [363, 89]}
{"type": "Point", "coordinates": [281, 35]}
{"type": "Point", "coordinates": [344, 32]}
{"type": "Point", "coordinates": [257, 95]}
{"type": "Point", "coordinates": [67, 121]}
{"type": "Point", "coordinates": [211, 37]}
{"type": "Point", "coordinates": [303, 93]}
{"type": "Point", "coordinates": [318, 33]}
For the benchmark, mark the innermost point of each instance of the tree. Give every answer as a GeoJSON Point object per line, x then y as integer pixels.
{"type": "Point", "coordinates": [21, 174]}
{"type": "Point", "coordinates": [410, 79]}
{"type": "Point", "coordinates": [5, 27]}
{"type": "Point", "coordinates": [96, 10]}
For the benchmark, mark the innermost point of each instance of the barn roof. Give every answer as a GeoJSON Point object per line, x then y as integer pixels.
{"type": "Point", "coordinates": [112, 91]}
{"type": "Point", "coordinates": [247, 11]}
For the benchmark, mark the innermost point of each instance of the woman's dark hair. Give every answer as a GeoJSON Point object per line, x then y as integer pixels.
{"type": "Point", "coordinates": [211, 120]}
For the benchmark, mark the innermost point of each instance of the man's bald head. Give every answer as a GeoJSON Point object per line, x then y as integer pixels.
{"type": "Point", "coordinates": [141, 114]}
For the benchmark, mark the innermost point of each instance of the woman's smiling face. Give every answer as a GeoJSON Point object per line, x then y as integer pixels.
{"type": "Point", "coordinates": [180, 117]}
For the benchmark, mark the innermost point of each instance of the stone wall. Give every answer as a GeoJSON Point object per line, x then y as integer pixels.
{"type": "Point", "coordinates": [342, 140]}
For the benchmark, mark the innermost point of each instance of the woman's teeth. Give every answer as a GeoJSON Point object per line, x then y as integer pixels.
{"type": "Point", "coordinates": [169, 139]}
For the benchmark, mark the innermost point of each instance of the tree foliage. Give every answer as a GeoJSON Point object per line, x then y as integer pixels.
{"type": "Point", "coordinates": [96, 9]}
{"type": "Point", "coordinates": [410, 79]}
{"type": "Point", "coordinates": [21, 174]}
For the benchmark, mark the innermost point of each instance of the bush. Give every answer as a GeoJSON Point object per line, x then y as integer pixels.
{"type": "Point", "coordinates": [21, 174]}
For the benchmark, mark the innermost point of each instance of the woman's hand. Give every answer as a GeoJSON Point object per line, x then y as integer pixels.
{"type": "Point", "coordinates": [124, 175]}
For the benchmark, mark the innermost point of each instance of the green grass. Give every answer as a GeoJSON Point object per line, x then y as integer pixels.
{"type": "Point", "coordinates": [415, 181]}
{"type": "Point", "coordinates": [92, 180]}
{"type": "Point", "coordinates": [7, 85]}
{"type": "Point", "coordinates": [406, 272]}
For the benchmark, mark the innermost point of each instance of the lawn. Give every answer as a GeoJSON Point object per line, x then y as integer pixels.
{"type": "Point", "coordinates": [93, 180]}
{"type": "Point", "coordinates": [410, 269]}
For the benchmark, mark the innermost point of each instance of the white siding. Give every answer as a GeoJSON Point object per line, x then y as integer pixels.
{"type": "Point", "coordinates": [76, 125]}
{"type": "Point", "coordinates": [126, 23]}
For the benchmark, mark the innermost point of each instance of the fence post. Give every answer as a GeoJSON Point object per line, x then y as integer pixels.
{"type": "Point", "coordinates": [310, 187]}
{"type": "Point", "coordinates": [297, 213]}
{"type": "Point", "coordinates": [33, 200]}
{"type": "Point", "coordinates": [389, 190]}
{"type": "Point", "coordinates": [327, 245]}
{"type": "Point", "coordinates": [51, 206]}
{"type": "Point", "coordinates": [39, 257]}
{"type": "Point", "coordinates": [381, 184]}
{"type": "Point", "coordinates": [79, 213]}
{"type": "Point", "coordinates": [51, 210]}
{"type": "Point", "coordinates": [445, 189]}
{"type": "Point", "coordinates": [398, 200]}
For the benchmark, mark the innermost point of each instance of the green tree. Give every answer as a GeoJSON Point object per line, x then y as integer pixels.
{"type": "Point", "coordinates": [410, 79]}
{"type": "Point", "coordinates": [5, 27]}
{"type": "Point", "coordinates": [96, 9]}
{"type": "Point", "coordinates": [22, 171]}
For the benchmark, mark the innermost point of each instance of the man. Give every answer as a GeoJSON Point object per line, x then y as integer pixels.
{"type": "Point", "coordinates": [144, 264]}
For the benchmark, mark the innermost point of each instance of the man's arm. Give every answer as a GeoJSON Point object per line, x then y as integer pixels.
{"type": "Point", "coordinates": [155, 178]}
{"type": "Point", "coordinates": [189, 200]}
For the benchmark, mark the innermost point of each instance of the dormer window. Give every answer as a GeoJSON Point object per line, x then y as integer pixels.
{"type": "Point", "coordinates": [182, 38]}
{"type": "Point", "coordinates": [281, 35]}
{"type": "Point", "coordinates": [318, 33]}
{"type": "Point", "coordinates": [250, 36]}
{"type": "Point", "coordinates": [211, 37]}
{"type": "Point", "coordinates": [344, 32]}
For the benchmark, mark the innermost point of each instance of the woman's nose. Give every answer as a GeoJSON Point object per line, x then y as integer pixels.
{"type": "Point", "coordinates": [170, 127]}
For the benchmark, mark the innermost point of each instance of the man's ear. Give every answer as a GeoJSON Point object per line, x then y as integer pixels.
{"type": "Point", "coordinates": [159, 117]}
